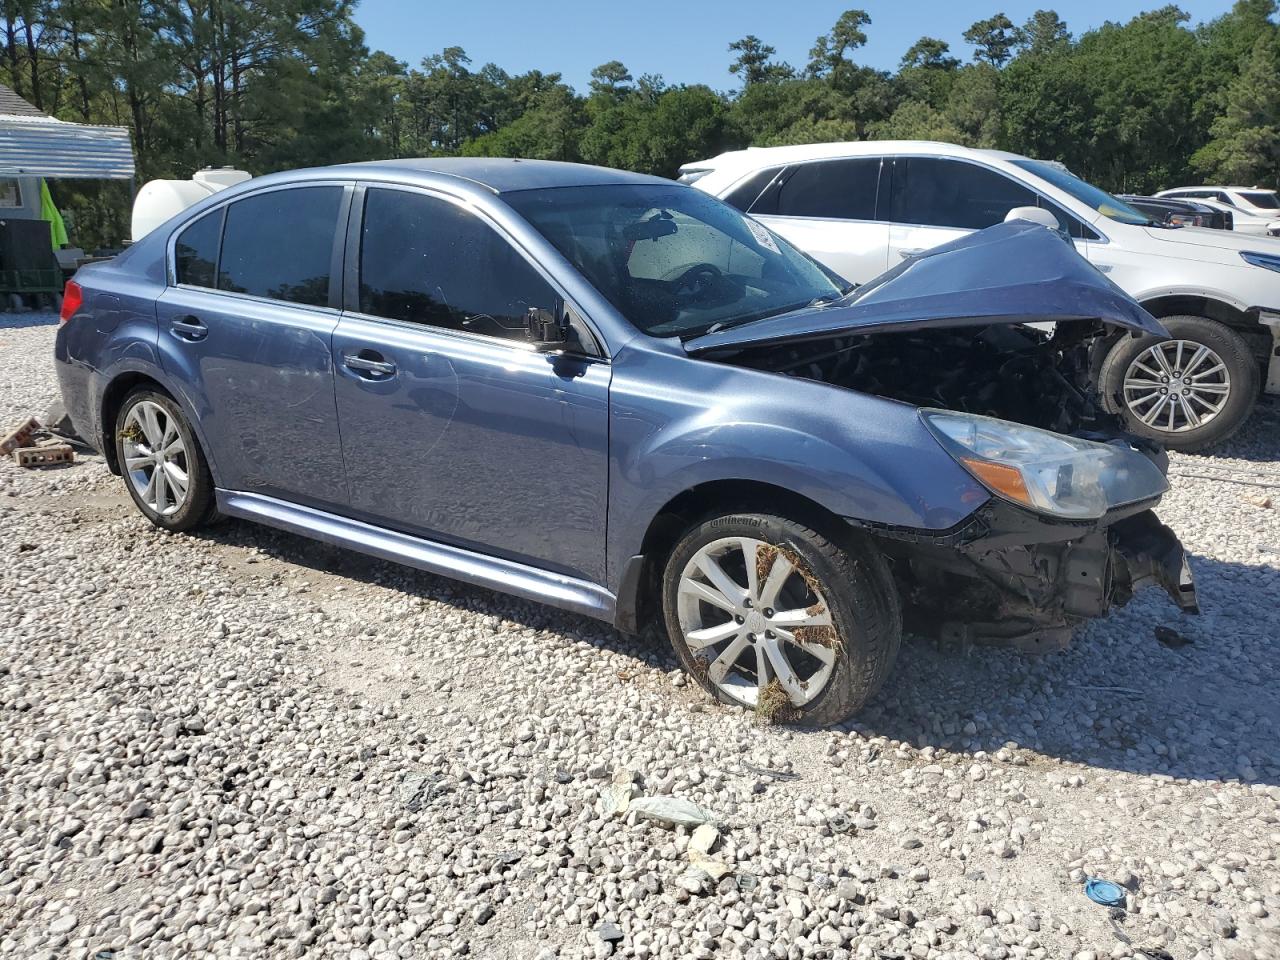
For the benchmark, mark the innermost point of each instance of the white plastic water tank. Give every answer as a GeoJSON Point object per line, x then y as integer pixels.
{"type": "Point", "coordinates": [158, 200]}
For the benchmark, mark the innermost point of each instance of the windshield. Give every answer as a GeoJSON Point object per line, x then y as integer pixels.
{"type": "Point", "coordinates": [1086, 193]}
{"type": "Point", "coordinates": [673, 260]}
{"type": "Point", "coordinates": [1261, 198]}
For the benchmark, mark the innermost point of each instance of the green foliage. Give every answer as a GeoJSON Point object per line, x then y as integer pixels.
{"type": "Point", "coordinates": [1246, 139]}
{"type": "Point", "coordinates": [271, 84]}
{"type": "Point", "coordinates": [994, 39]}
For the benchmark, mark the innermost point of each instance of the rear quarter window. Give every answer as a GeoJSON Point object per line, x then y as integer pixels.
{"type": "Point", "coordinates": [195, 252]}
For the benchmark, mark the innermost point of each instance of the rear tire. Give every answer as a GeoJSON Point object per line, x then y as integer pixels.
{"type": "Point", "coordinates": [1221, 400]}
{"type": "Point", "coordinates": [809, 635]}
{"type": "Point", "coordinates": [161, 462]}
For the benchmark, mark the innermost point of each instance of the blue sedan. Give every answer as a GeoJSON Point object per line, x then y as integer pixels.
{"type": "Point", "coordinates": [617, 395]}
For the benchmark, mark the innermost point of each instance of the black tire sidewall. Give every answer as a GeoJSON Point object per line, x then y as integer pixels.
{"type": "Point", "coordinates": [850, 595]}
{"type": "Point", "coordinates": [198, 506]}
{"type": "Point", "coordinates": [1225, 342]}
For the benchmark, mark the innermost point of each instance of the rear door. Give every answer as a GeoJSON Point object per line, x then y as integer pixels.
{"type": "Point", "coordinates": [453, 428]}
{"type": "Point", "coordinates": [245, 328]}
{"type": "Point", "coordinates": [936, 199]}
{"type": "Point", "coordinates": [828, 208]}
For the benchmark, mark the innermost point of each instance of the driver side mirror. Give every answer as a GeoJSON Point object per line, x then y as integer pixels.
{"type": "Point", "coordinates": [548, 330]}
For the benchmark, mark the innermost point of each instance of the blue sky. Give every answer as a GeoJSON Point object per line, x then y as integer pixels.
{"type": "Point", "coordinates": [686, 40]}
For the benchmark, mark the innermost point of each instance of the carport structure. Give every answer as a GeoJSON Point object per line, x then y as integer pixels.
{"type": "Point", "coordinates": [35, 146]}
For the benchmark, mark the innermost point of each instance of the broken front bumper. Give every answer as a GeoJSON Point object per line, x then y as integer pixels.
{"type": "Point", "coordinates": [1011, 577]}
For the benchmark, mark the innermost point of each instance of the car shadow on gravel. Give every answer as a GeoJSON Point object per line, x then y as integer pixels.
{"type": "Point", "coordinates": [325, 558]}
{"type": "Point", "coordinates": [1115, 699]}
{"type": "Point", "coordinates": [1255, 442]}
{"type": "Point", "coordinates": [1118, 698]}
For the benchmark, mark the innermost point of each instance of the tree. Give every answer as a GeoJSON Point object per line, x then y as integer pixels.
{"type": "Point", "coordinates": [827, 58]}
{"type": "Point", "coordinates": [1246, 139]}
{"type": "Point", "coordinates": [611, 80]}
{"type": "Point", "coordinates": [994, 38]}
{"type": "Point", "coordinates": [929, 52]}
{"type": "Point", "coordinates": [1043, 33]}
{"type": "Point", "coordinates": [754, 62]}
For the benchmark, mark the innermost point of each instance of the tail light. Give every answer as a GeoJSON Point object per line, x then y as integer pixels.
{"type": "Point", "coordinates": [72, 298]}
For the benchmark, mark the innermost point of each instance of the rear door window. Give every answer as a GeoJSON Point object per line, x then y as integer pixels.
{"type": "Point", "coordinates": [426, 260]}
{"type": "Point", "coordinates": [195, 252]}
{"type": "Point", "coordinates": [279, 245]}
{"type": "Point", "coordinates": [950, 193]}
{"type": "Point", "coordinates": [836, 189]}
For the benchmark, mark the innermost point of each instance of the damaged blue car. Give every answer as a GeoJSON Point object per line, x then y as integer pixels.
{"type": "Point", "coordinates": [620, 396]}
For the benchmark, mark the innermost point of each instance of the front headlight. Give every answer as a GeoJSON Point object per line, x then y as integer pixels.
{"type": "Point", "coordinates": [1268, 261]}
{"type": "Point", "coordinates": [1047, 472]}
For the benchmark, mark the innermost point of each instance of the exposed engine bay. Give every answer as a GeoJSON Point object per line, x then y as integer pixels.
{"type": "Point", "coordinates": [1006, 575]}
{"type": "Point", "coordinates": [1020, 373]}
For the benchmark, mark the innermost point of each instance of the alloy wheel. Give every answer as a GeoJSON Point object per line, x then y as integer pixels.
{"type": "Point", "coordinates": [752, 615]}
{"type": "Point", "coordinates": [1176, 385]}
{"type": "Point", "coordinates": [155, 457]}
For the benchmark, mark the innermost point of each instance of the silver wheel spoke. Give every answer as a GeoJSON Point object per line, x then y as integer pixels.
{"type": "Point", "coordinates": [707, 636]}
{"type": "Point", "coordinates": [751, 559]}
{"type": "Point", "coordinates": [151, 426]}
{"type": "Point", "coordinates": [810, 617]}
{"type": "Point", "coordinates": [763, 673]}
{"type": "Point", "coordinates": [784, 672]}
{"type": "Point", "coordinates": [1192, 417]}
{"type": "Point", "coordinates": [704, 591]}
{"type": "Point", "coordinates": [721, 580]}
{"type": "Point", "coordinates": [778, 574]}
{"type": "Point", "coordinates": [1196, 359]}
{"type": "Point", "coordinates": [176, 478]}
{"type": "Point", "coordinates": [1150, 416]}
{"type": "Point", "coordinates": [137, 463]}
{"type": "Point", "coordinates": [161, 490]}
{"type": "Point", "coordinates": [722, 664]}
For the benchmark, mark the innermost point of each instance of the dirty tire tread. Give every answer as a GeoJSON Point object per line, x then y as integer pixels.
{"type": "Point", "coordinates": [200, 508]}
{"type": "Point", "coordinates": [1226, 342]}
{"type": "Point", "coordinates": [858, 586]}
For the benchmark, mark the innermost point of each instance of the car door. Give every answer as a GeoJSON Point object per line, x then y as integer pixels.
{"type": "Point", "coordinates": [245, 327]}
{"type": "Point", "coordinates": [453, 427]}
{"type": "Point", "coordinates": [827, 208]}
{"type": "Point", "coordinates": [936, 199]}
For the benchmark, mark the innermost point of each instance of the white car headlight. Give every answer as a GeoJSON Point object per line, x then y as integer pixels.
{"type": "Point", "coordinates": [1045, 471]}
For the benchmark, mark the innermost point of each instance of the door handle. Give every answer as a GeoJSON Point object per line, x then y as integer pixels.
{"type": "Point", "coordinates": [188, 328]}
{"type": "Point", "coordinates": [910, 252]}
{"type": "Point", "coordinates": [368, 365]}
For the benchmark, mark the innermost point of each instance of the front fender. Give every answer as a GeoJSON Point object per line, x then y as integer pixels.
{"type": "Point", "coordinates": [679, 423]}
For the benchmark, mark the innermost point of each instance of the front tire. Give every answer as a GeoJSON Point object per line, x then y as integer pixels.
{"type": "Point", "coordinates": [768, 614]}
{"type": "Point", "coordinates": [1187, 393]}
{"type": "Point", "coordinates": [161, 463]}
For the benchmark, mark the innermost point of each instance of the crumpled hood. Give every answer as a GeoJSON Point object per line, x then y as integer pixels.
{"type": "Point", "coordinates": [1016, 272]}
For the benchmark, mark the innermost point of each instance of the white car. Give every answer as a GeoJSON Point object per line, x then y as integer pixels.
{"type": "Point", "coordinates": [861, 208]}
{"type": "Point", "coordinates": [1259, 207]}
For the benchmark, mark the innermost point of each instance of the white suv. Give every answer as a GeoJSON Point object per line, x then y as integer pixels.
{"type": "Point", "coordinates": [861, 208]}
{"type": "Point", "coordinates": [1260, 208]}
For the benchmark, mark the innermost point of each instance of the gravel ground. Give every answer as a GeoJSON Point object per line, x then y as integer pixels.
{"type": "Point", "coordinates": [246, 744]}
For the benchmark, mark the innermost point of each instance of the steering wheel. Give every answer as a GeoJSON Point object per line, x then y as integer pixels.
{"type": "Point", "coordinates": [698, 282]}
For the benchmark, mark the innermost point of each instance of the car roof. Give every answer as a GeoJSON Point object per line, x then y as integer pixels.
{"type": "Point", "coordinates": [1215, 186]}
{"type": "Point", "coordinates": [755, 157]}
{"type": "Point", "coordinates": [497, 174]}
